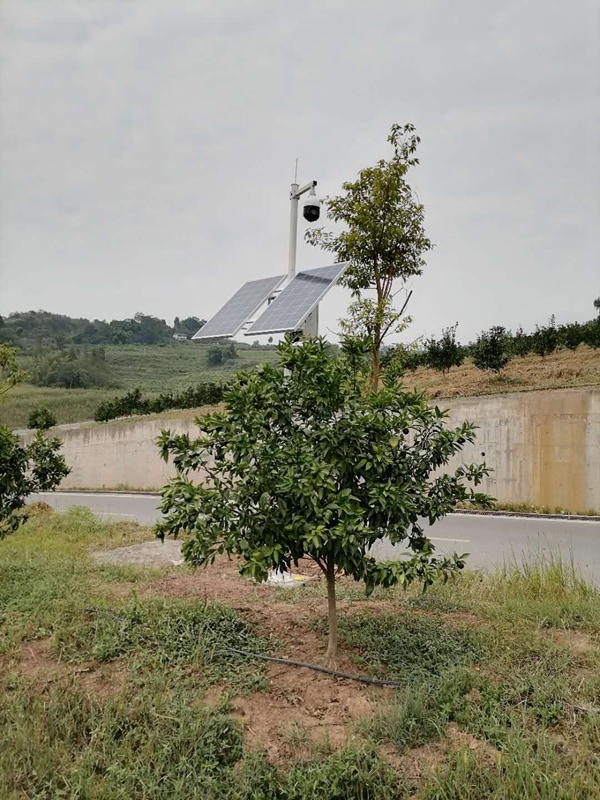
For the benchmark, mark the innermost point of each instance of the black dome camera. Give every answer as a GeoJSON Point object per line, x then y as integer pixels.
{"type": "Point", "coordinates": [312, 208]}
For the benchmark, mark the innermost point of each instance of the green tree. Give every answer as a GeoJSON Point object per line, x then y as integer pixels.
{"type": "Point", "coordinates": [10, 374]}
{"type": "Point", "coordinates": [41, 419]}
{"type": "Point", "coordinates": [214, 357]}
{"type": "Point", "coordinates": [545, 339]}
{"type": "Point", "coordinates": [522, 343]}
{"type": "Point", "coordinates": [23, 470]}
{"type": "Point", "coordinates": [304, 463]}
{"type": "Point", "coordinates": [384, 241]}
{"type": "Point", "coordinates": [38, 467]}
{"type": "Point", "coordinates": [445, 353]}
{"type": "Point", "coordinates": [597, 305]}
{"type": "Point", "coordinates": [491, 349]}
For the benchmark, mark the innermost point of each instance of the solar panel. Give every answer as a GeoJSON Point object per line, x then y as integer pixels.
{"type": "Point", "coordinates": [244, 303]}
{"type": "Point", "coordinates": [289, 309]}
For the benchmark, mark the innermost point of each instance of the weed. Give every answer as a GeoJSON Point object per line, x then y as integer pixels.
{"type": "Point", "coordinates": [409, 647]}
{"type": "Point", "coordinates": [164, 634]}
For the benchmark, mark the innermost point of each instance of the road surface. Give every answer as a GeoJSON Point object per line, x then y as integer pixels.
{"type": "Point", "coordinates": [490, 540]}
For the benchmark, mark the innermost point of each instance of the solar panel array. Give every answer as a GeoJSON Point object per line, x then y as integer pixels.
{"type": "Point", "coordinates": [289, 309]}
{"type": "Point", "coordinates": [244, 303]}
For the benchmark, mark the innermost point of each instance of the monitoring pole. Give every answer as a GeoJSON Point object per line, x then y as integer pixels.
{"type": "Point", "coordinates": [295, 195]}
{"type": "Point", "coordinates": [294, 200]}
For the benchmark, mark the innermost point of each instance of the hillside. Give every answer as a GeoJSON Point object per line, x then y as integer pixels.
{"type": "Point", "coordinates": [156, 368]}
{"type": "Point", "coordinates": [561, 369]}
{"type": "Point", "coordinates": [153, 368]}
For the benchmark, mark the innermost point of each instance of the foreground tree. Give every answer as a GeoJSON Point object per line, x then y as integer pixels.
{"type": "Point", "coordinates": [304, 463]}
{"type": "Point", "coordinates": [384, 241]}
{"type": "Point", "coordinates": [491, 350]}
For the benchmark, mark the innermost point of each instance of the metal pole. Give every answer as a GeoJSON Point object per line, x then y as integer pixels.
{"type": "Point", "coordinates": [294, 200]}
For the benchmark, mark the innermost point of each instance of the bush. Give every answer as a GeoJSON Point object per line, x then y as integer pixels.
{"type": "Point", "coordinates": [72, 370]}
{"type": "Point", "coordinates": [407, 358]}
{"type": "Point", "coordinates": [217, 356]}
{"type": "Point", "coordinates": [521, 343]}
{"type": "Point", "coordinates": [134, 404]}
{"type": "Point", "coordinates": [38, 467]}
{"type": "Point", "coordinates": [491, 349]}
{"type": "Point", "coordinates": [445, 353]}
{"type": "Point", "coordinates": [545, 339]}
{"type": "Point", "coordinates": [41, 418]}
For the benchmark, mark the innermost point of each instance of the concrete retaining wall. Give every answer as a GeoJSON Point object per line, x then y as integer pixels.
{"type": "Point", "coordinates": [544, 447]}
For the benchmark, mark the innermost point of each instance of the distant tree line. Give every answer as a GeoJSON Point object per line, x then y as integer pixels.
{"type": "Point", "coordinates": [30, 329]}
{"type": "Point", "coordinates": [494, 348]}
{"type": "Point", "coordinates": [134, 403]}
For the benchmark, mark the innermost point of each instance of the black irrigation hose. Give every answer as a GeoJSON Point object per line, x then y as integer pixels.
{"type": "Point", "coordinates": [289, 662]}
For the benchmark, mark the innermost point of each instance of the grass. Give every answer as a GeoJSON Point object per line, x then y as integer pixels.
{"type": "Point", "coordinates": [152, 368]}
{"type": "Point", "coordinates": [529, 508]}
{"type": "Point", "coordinates": [67, 405]}
{"type": "Point", "coordinates": [500, 674]}
{"type": "Point", "coordinates": [178, 366]}
{"type": "Point", "coordinates": [562, 369]}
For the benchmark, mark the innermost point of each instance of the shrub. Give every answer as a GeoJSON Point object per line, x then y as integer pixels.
{"type": "Point", "coordinates": [521, 343]}
{"type": "Point", "coordinates": [545, 339]}
{"type": "Point", "coordinates": [41, 418]}
{"type": "Point", "coordinates": [217, 356]}
{"type": "Point", "coordinates": [133, 403]}
{"type": "Point", "coordinates": [72, 370]}
{"type": "Point", "coordinates": [38, 467]}
{"type": "Point", "coordinates": [407, 358]}
{"type": "Point", "coordinates": [491, 349]}
{"type": "Point", "coordinates": [571, 335]}
{"type": "Point", "coordinates": [445, 353]}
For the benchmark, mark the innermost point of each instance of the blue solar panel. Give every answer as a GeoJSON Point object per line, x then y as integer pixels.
{"type": "Point", "coordinates": [290, 309]}
{"type": "Point", "coordinates": [244, 303]}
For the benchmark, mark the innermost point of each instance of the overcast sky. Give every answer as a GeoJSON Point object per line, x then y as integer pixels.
{"type": "Point", "coordinates": [146, 149]}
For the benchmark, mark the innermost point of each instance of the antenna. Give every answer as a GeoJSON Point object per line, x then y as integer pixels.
{"type": "Point", "coordinates": [296, 173]}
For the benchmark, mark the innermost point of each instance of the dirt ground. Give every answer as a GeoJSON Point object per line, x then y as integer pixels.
{"type": "Point", "coordinates": [302, 712]}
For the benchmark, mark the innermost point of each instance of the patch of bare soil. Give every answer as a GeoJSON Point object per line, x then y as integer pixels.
{"type": "Point", "coordinates": [458, 739]}
{"type": "Point", "coordinates": [303, 711]}
{"type": "Point", "coordinates": [99, 681]}
{"type": "Point", "coordinates": [145, 553]}
{"type": "Point", "coordinates": [37, 663]}
{"type": "Point", "coordinates": [416, 764]}
{"type": "Point", "coordinates": [118, 591]}
{"type": "Point", "coordinates": [581, 643]}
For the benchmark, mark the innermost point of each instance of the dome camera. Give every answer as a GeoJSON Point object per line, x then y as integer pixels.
{"type": "Point", "coordinates": [312, 208]}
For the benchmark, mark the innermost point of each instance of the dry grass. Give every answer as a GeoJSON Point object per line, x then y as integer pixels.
{"type": "Point", "coordinates": [562, 369]}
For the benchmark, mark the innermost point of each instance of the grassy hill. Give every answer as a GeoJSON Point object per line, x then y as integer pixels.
{"type": "Point", "coordinates": [561, 369]}
{"type": "Point", "coordinates": [155, 368]}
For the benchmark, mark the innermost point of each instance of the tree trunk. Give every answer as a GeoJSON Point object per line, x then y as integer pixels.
{"type": "Point", "coordinates": [375, 370]}
{"type": "Point", "coordinates": [375, 348]}
{"type": "Point", "coordinates": [332, 607]}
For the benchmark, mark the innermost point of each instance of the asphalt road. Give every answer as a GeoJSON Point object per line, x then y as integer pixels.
{"type": "Point", "coordinates": [490, 540]}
